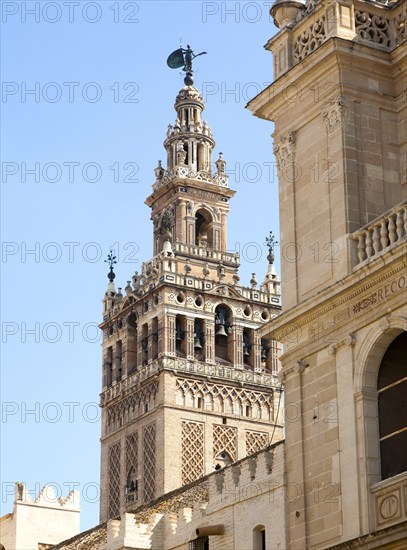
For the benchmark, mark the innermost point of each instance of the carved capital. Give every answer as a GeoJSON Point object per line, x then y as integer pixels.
{"type": "Point", "coordinates": [350, 340]}
{"type": "Point", "coordinates": [334, 114]}
{"type": "Point", "coordinates": [297, 368]}
{"type": "Point", "coordinates": [284, 150]}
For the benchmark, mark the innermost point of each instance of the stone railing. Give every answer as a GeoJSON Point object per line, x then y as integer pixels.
{"type": "Point", "coordinates": [184, 171]}
{"type": "Point", "coordinates": [217, 370]}
{"type": "Point", "coordinates": [378, 236]}
{"type": "Point", "coordinates": [360, 21]}
{"type": "Point", "coordinates": [154, 272]}
{"type": "Point", "coordinates": [221, 371]}
{"type": "Point", "coordinates": [382, 28]}
{"type": "Point", "coordinates": [205, 253]}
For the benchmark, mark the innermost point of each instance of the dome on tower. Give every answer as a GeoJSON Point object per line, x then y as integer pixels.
{"type": "Point", "coordinates": [189, 94]}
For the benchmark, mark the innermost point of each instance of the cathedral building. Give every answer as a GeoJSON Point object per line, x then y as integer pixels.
{"type": "Point", "coordinates": [339, 106]}
{"type": "Point", "coordinates": [192, 455]}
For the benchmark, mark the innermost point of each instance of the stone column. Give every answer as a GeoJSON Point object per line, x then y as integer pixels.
{"type": "Point", "coordinates": [190, 229]}
{"type": "Point", "coordinates": [237, 343]}
{"type": "Point", "coordinates": [209, 329]}
{"type": "Point", "coordinates": [169, 334]}
{"type": "Point", "coordinates": [160, 337]}
{"type": "Point", "coordinates": [150, 341]}
{"type": "Point", "coordinates": [224, 232]}
{"type": "Point", "coordinates": [256, 351]}
{"type": "Point", "coordinates": [190, 337]}
{"type": "Point", "coordinates": [347, 445]}
{"type": "Point", "coordinates": [217, 236]}
{"type": "Point", "coordinates": [180, 225]}
{"type": "Point", "coordinates": [295, 485]}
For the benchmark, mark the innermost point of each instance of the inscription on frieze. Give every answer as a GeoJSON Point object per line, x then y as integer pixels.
{"type": "Point", "coordinates": [204, 194]}
{"type": "Point", "coordinates": [380, 295]}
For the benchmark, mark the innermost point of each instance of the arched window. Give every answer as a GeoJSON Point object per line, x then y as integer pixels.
{"type": "Point", "coordinates": [180, 333]}
{"type": "Point", "coordinates": [198, 339]}
{"type": "Point", "coordinates": [392, 408]}
{"type": "Point", "coordinates": [131, 347]}
{"type": "Point", "coordinates": [223, 337]}
{"type": "Point", "coordinates": [109, 366]}
{"type": "Point", "coordinates": [118, 368]}
{"type": "Point", "coordinates": [154, 338]}
{"type": "Point", "coordinates": [144, 344]}
{"type": "Point", "coordinates": [248, 348]}
{"type": "Point", "coordinates": [203, 228]}
{"type": "Point", "coordinates": [259, 538]}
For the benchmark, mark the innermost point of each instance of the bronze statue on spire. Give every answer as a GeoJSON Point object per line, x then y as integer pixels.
{"type": "Point", "coordinates": [183, 58]}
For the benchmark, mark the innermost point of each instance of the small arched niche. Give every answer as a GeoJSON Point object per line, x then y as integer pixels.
{"type": "Point", "coordinates": [259, 537]}
{"type": "Point", "coordinates": [204, 228]}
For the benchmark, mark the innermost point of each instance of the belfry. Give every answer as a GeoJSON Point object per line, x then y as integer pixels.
{"type": "Point", "coordinates": [188, 384]}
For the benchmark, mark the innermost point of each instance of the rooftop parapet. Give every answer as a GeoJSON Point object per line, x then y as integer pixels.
{"type": "Point", "coordinates": [304, 27]}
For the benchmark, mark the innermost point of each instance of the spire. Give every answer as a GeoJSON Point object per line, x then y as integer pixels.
{"type": "Point", "coordinates": [189, 143]}
{"type": "Point", "coordinates": [199, 214]}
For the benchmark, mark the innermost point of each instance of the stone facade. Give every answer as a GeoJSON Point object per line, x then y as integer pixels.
{"type": "Point", "coordinates": [188, 384]}
{"type": "Point", "coordinates": [340, 145]}
{"type": "Point", "coordinates": [38, 524]}
{"type": "Point", "coordinates": [244, 501]}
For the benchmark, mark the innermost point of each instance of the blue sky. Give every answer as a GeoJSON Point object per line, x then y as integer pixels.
{"type": "Point", "coordinates": [78, 155]}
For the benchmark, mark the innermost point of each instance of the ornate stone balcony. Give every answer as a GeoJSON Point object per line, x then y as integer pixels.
{"type": "Point", "coordinates": [183, 172]}
{"type": "Point", "coordinates": [186, 366]}
{"type": "Point", "coordinates": [156, 271]}
{"type": "Point", "coordinates": [208, 254]}
{"type": "Point", "coordinates": [381, 235]}
{"type": "Point", "coordinates": [374, 23]}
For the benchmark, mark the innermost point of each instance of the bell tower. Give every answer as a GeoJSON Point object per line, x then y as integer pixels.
{"type": "Point", "coordinates": [199, 215]}
{"type": "Point", "coordinates": [188, 384]}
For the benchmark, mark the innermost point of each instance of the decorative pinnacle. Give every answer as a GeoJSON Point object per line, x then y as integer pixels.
{"type": "Point", "coordinates": [271, 243]}
{"type": "Point", "coordinates": [111, 260]}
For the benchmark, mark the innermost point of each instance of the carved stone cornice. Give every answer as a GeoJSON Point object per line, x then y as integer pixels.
{"type": "Point", "coordinates": [308, 312]}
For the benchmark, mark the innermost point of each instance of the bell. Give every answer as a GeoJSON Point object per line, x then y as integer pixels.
{"type": "Point", "coordinates": [220, 331]}
{"type": "Point", "coordinates": [263, 354]}
{"type": "Point", "coordinates": [197, 343]}
{"type": "Point", "coordinates": [245, 351]}
{"type": "Point", "coordinates": [178, 336]}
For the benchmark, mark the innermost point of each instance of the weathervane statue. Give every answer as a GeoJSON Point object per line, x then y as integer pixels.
{"type": "Point", "coordinates": [183, 58]}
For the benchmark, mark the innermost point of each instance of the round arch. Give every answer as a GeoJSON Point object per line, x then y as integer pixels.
{"type": "Point", "coordinates": [367, 364]}
{"type": "Point", "coordinates": [259, 537]}
{"type": "Point", "coordinates": [374, 347]}
{"type": "Point", "coordinates": [204, 227]}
